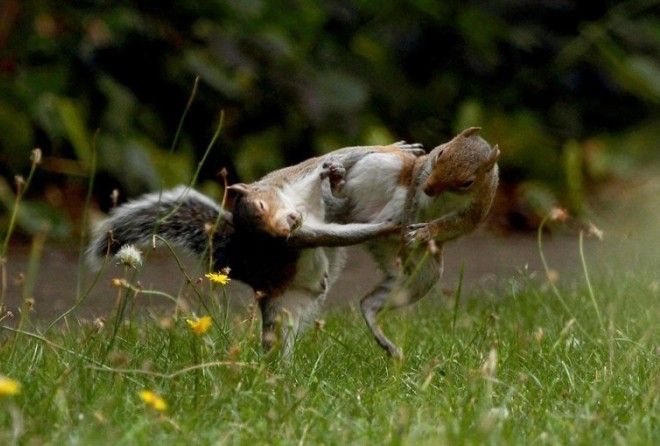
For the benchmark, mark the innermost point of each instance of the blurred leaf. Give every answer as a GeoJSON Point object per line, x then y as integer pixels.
{"type": "Point", "coordinates": [620, 154]}
{"type": "Point", "coordinates": [535, 199]}
{"type": "Point", "coordinates": [121, 105]}
{"type": "Point", "coordinates": [637, 74]}
{"type": "Point", "coordinates": [481, 30]}
{"type": "Point", "coordinates": [526, 147]}
{"type": "Point", "coordinates": [259, 154]}
{"type": "Point", "coordinates": [377, 135]}
{"type": "Point", "coordinates": [470, 114]}
{"type": "Point", "coordinates": [35, 216]}
{"type": "Point", "coordinates": [369, 49]}
{"type": "Point", "coordinates": [74, 125]}
{"type": "Point", "coordinates": [572, 160]}
{"type": "Point", "coordinates": [647, 70]}
{"type": "Point", "coordinates": [14, 122]}
{"type": "Point", "coordinates": [334, 92]}
{"type": "Point", "coordinates": [212, 72]}
{"type": "Point", "coordinates": [172, 168]}
{"type": "Point", "coordinates": [128, 160]}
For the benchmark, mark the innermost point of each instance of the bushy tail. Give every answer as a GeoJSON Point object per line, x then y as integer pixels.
{"type": "Point", "coordinates": [181, 215]}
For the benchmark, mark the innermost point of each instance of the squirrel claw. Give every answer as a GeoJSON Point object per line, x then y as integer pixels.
{"type": "Point", "coordinates": [417, 233]}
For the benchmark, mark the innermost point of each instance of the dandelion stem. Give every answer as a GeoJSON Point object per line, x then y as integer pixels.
{"type": "Point", "coordinates": [119, 316]}
{"type": "Point", "coordinates": [14, 213]}
{"type": "Point", "coordinates": [555, 290]}
{"type": "Point", "coordinates": [20, 191]}
{"type": "Point", "coordinates": [85, 216]}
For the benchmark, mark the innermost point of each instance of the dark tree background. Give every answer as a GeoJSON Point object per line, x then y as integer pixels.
{"type": "Point", "coordinates": [570, 90]}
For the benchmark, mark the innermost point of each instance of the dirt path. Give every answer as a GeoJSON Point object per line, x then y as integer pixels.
{"type": "Point", "coordinates": [489, 261]}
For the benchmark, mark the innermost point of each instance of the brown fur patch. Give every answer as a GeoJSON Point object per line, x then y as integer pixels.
{"type": "Point", "coordinates": [408, 161]}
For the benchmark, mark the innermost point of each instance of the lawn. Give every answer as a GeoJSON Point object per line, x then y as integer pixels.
{"type": "Point", "coordinates": [522, 363]}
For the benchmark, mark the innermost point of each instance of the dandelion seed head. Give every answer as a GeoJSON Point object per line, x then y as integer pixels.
{"type": "Point", "coordinates": [130, 256]}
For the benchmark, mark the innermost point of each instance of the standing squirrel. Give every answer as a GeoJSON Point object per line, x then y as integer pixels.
{"type": "Point", "coordinates": [275, 239]}
{"type": "Point", "coordinates": [410, 189]}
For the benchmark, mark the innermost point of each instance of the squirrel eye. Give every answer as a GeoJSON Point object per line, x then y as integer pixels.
{"type": "Point", "coordinates": [262, 206]}
{"type": "Point", "coordinates": [466, 184]}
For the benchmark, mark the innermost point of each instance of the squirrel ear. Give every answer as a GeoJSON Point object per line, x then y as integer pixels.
{"type": "Point", "coordinates": [239, 188]}
{"type": "Point", "coordinates": [492, 158]}
{"type": "Point", "coordinates": [469, 132]}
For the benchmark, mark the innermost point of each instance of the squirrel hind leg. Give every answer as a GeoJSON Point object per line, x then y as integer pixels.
{"type": "Point", "coordinates": [371, 305]}
{"type": "Point", "coordinates": [336, 208]}
{"type": "Point", "coordinates": [335, 172]}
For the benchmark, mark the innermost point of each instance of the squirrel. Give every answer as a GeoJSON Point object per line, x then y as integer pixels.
{"type": "Point", "coordinates": [275, 238]}
{"type": "Point", "coordinates": [411, 189]}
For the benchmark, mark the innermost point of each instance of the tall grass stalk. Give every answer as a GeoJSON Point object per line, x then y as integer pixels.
{"type": "Point", "coordinates": [179, 127]}
{"type": "Point", "coordinates": [590, 288]}
{"type": "Point", "coordinates": [548, 275]}
{"type": "Point", "coordinates": [27, 299]}
{"type": "Point", "coordinates": [81, 296]}
{"type": "Point", "coordinates": [120, 308]}
{"type": "Point", "coordinates": [84, 224]}
{"type": "Point", "coordinates": [22, 186]}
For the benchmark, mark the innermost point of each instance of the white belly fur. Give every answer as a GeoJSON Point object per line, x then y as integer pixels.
{"type": "Point", "coordinates": [371, 184]}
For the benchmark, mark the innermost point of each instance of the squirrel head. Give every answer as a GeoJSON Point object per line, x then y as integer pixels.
{"type": "Point", "coordinates": [461, 163]}
{"type": "Point", "coordinates": [264, 209]}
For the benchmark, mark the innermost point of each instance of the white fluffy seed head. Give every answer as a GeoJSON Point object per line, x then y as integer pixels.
{"type": "Point", "coordinates": [130, 256]}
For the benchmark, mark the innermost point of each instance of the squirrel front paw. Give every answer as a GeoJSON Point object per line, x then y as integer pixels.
{"type": "Point", "coordinates": [415, 148]}
{"type": "Point", "coordinates": [417, 233]}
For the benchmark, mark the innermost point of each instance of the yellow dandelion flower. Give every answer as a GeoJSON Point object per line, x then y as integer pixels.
{"type": "Point", "coordinates": [222, 279]}
{"type": "Point", "coordinates": [9, 387]}
{"type": "Point", "coordinates": [201, 325]}
{"type": "Point", "coordinates": [153, 400]}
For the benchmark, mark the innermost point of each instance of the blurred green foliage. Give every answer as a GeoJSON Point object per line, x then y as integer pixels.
{"type": "Point", "coordinates": [570, 90]}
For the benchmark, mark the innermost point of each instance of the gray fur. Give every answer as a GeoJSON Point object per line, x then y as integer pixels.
{"type": "Point", "coordinates": [182, 215]}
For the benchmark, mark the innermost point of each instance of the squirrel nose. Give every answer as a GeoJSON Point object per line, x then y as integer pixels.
{"type": "Point", "coordinates": [294, 219]}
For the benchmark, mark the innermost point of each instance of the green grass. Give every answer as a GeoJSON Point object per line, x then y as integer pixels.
{"type": "Point", "coordinates": [556, 380]}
